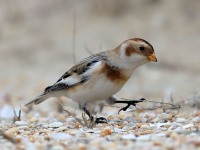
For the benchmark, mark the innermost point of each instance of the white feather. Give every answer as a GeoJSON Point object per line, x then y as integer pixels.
{"type": "Point", "coordinates": [93, 68]}
{"type": "Point", "coordinates": [70, 80]}
{"type": "Point", "coordinates": [97, 88]}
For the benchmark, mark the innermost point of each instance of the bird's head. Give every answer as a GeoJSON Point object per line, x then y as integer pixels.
{"type": "Point", "coordinates": [135, 52]}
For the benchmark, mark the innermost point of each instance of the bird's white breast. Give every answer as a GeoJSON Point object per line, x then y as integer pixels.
{"type": "Point", "coordinates": [98, 87]}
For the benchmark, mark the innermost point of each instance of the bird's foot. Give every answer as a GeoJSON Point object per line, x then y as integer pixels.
{"type": "Point", "coordinates": [129, 103]}
{"type": "Point", "coordinates": [100, 120]}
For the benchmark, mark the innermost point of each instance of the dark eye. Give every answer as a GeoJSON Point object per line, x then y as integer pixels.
{"type": "Point", "coordinates": [141, 48]}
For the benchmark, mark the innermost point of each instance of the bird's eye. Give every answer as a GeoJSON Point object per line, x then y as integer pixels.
{"type": "Point", "coordinates": [141, 48]}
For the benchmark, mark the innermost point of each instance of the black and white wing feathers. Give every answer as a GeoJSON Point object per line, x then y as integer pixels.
{"type": "Point", "coordinates": [75, 75]}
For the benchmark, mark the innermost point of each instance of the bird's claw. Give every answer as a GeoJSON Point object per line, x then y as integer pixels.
{"type": "Point", "coordinates": [100, 120]}
{"type": "Point", "coordinates": [133, 102]}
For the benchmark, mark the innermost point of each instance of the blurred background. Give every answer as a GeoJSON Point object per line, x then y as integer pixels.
{"type": "Point", "coordinates": [36, 44]}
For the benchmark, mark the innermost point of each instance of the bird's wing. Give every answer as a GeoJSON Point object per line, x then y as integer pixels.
{"type": "Point", "coordinates": [75, 75]}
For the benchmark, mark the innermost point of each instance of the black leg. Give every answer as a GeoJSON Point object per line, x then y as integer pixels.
{"type": "Point", "coordinates": [98, 120]}
{"type": "Point", "coordinates": [129, 103]}
{"type": "Point", "coordinates": [88, 113]}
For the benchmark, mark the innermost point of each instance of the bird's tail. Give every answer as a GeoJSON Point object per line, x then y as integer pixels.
{"type": "Point", "coordinates": [38, 100]}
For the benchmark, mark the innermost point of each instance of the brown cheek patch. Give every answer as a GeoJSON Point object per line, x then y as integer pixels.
{"type": "Point", "coordinates": [114, 75]}
{"type": "Point", "coordinates": [129, 51]}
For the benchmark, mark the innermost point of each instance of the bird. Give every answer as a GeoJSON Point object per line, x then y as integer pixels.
{"type": "Point", "coordinates": [98, 77]}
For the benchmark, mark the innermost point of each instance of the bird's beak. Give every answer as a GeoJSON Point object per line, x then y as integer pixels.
{"type": "Point", "coordinates": [152, 57]}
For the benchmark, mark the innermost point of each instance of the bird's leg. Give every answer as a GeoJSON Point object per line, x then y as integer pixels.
{"type": "Point", "coordinates": [129, 103]}
{"type": "Point", "coordinates": [88, 113]}
{"type": "Point", "coordinates": [98, 120]}
{"type": "Point", "coordinates": [113, 100]}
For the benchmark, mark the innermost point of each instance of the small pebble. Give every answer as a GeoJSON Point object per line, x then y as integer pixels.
{"type": "Point", "coordinates": [55, 124]}
{"type": "Point", "coordinates": [144, 137]}
{"type": "Point", "coordinates": [23, 127]}
{"type": "Point", "coordinates": [128, 137]}
{"type": "Point", "coordinates": [131, 124]}
{"type": "Point", "coordinates": [90, 131]}
{"type": "Point", "coordinates": [71, 119]}
{"type": "Point", "coordinates": [163, 129]}
{"type": "Point", "coordinates": [156, 119]}
{"type": "Point", "coordinates": [63, 128]}
{"type": "Point", "coordinates": [21, 123]}
{"type": "Point", "coordinates": [181, 120]}
{"type": "Point", "coordinates": [117, 130]}
{"type": "Point", "coordinates": [117, 120]}
{"type": "Point", "coordinates": [34, 119]}
{"type": "Point", "coordinates": [125, 128]}
{"type": "Point", "coordinates": [162, 124]}
{"type": "Point", "coordinates": [45, 126]}
{"type": "Point", "coordinates": [166, 117]}
{"type": "Point", "coordinates": [73, 131]}
{"type": "Point", "coordinates": [44, 131]}
{"type": "Point", "coordinates": [196, 119]}
{"type": "Point", "coordinates": [146, 132]}
{"type": "Point", "coordinates": [145, 126]}
{"type": "Point", "coordinates": [57, 147]}
{"type": "Point", "coordinates": [21, 131]}
{"type": "Point", "coordinates": [60, 136]}
{"type": "Point", "coordinates": [188, 126]}
{"type": "Point", "coordinates": [179, 130]}
{"type": "Point", "coordinates": [12, 130]}
{"type": "Point", "coordinates": [143, 119]}
{"type": "Point", "coordinates": [105, 132]}
{"type": "Point", "coordinates": [129, 119]}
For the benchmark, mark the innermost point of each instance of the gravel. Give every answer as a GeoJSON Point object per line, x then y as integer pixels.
{"type": "Point", "coordinates": [126, 130]}
{"type": "Point", "coordinates": [21, 123]}
{"type": "Point", "coordinates": [55, 124]}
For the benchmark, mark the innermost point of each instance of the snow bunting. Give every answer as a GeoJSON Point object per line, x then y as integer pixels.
{"type": "Point", "coordinates": [100, 76]}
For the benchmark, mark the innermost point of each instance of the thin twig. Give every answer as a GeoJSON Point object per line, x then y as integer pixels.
{"type": "Point", "coordinates": [74, 33]}
{"type": "Point", "coordinates": [85, 120]}
{"type": "Point", "coordinates": [17, 117]}
{"type": "Point", "coordinates": [171, 98]}
{"type": "Point", "coordinates": [100, 7]}
{"type": "Point", "coordinates": [91, 121]}
{"type": "Point", "coordinates": [88, 50]}
{"type": "Point", "coordinates": [71, 114]}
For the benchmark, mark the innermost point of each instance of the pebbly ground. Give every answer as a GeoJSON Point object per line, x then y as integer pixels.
{"type": "Point", "coordinates": [134, 129]}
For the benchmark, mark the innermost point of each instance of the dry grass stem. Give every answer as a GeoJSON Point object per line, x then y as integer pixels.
{"type": "Point", "coordinates": [87, 122]}
{"type": "Point", "coordinates": [88, 50]}
{"type": "Point", "coordinates": [71, 114]}
{"type": "Point", "coordinates": [74, 34]}
{"type": "Point", "coordinates": [17, 117]}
